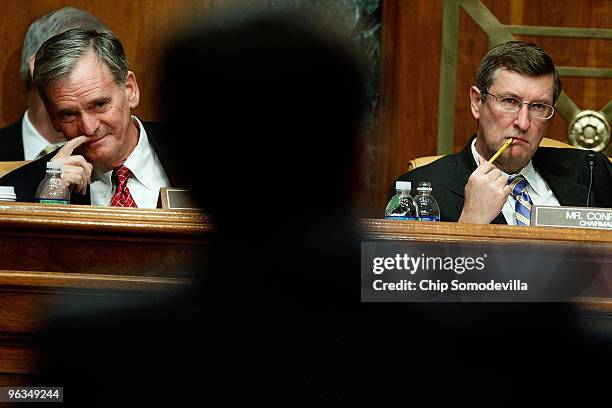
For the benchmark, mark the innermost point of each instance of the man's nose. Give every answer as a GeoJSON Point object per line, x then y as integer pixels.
{"type": "Point", "coordinates": [89, 124]}
{"type": "Point", "coordinates": [522, 118]}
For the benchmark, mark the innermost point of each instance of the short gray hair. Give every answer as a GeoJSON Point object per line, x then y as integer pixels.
{"type": "Point", "coordinates": [58, 56]}
{"type": "Point", "coordinates": [51, 24]}
{"type": "Point", "coordinates": [518, 56]}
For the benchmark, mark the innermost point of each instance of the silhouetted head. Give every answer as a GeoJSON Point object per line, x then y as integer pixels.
{"type": "Point", "coordinates": [265, 110]}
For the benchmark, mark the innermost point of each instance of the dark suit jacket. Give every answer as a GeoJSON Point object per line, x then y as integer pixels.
{"type": "Point", "coordinates": [564, 170]}
{"type": "Point", "coordinates": [26, 178]}
{"type": "Point", "coordinates": [11, 143]}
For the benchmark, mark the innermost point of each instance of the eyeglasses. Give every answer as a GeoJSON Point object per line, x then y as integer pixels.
{"type": "Point", "coordinates": [511, 104]}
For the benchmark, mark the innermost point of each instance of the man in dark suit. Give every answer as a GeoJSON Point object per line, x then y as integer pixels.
{"type": "Point", "coordinates": [33, 135]}
{"type": "Point", "coordinates": [25, 179]}
{"type": "Point", "coordinates": [111, 158]}
{"type": "Point", "coordinates": [517, 85]}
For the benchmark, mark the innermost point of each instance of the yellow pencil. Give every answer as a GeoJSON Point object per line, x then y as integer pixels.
{"type": "Point", "coordinates": [501, 150]}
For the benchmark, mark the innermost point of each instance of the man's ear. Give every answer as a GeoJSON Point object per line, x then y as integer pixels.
{"type": "Point", "coordinates": [31, 62]}
{"type": "Point", "coordinates": [475, 102]}
{"type": "Point", "coordinates": [131, 89]}
{"type": "Point", "coordinates": [56, 125]}
{"type": "Point", "coordinates": [50, 112]}
{"type": "Point", "coordinates": [53, 119]}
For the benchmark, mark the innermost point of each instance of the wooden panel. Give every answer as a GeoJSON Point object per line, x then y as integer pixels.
{"type": "Point", "coordinates": [90, 239]}
{"type": "Point", "coordinates": [49, 254]}
{"type": "Point", "coordinates": [409, 81]}
{"type": "Point", "coordinates": [14, 380]}
{"type": "Point", "coordinates": [587, 93]}
{"type": "Point", "coordinates": [25, 311]}
{"type": "Point", "coordinates": [410, 63]}
{"type": "Point", "coordinates": [469, 233]}
{"type": "Point", "coordinates": [18, 359]}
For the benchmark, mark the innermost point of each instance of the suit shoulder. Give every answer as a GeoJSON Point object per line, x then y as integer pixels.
{"type": "Point", "coordinates": [11, 143]}
{"type": "Point", "coordinates": [26, 178]}
{"type": "Point", "coordinates": [13, 128]}
{"type": "Point", "coordinates": [29, 168]}
{"type": "Point", "coordinates": [560, 152]}
{"type": "Point", "coordinates": [567, 157]}
{"type": "Point", "coordinates": [157, 128]}
{"type": "Point", "coordinates": [439, 168]}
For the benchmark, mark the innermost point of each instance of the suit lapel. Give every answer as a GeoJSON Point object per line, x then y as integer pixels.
{"type": "Point", "coordinates": [11, 142]}
{"type": "Point", "coordinates": [158, 138]}
{"type": "Point", "coordinates": [464, 166]}
{"type": "Point", "coordinates": [567, 189]}
{"type": "Point", "coordinates": [568, 193]}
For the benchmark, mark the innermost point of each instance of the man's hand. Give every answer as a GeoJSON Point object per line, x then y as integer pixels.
{"type": "Point", "coordinates": [485, 194]}
{"type": "Point", "coordinates": [76, 171]}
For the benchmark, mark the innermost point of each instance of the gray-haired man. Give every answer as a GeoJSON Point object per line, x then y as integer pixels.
{"type": "Point", "coordinates": [33, 134]}
{"type": "Point", "coordinates": [84, 82]}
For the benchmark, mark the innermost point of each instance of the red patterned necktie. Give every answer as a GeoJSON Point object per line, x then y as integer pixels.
{"type": "Point", "coordinates": [122, 197]}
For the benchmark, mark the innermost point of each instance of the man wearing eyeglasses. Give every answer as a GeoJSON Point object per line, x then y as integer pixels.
{"type": "Point", "coordinates": [516, 88]}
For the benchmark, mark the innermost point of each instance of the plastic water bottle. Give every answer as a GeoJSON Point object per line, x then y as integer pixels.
{"type": "Point", "coordinates": [53, 190]}
{"type": "Point", "coordinates": [402, 205]}
{"type": "Point", "coordinates": [426, 204]}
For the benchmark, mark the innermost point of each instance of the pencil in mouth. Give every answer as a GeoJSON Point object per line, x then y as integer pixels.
{"type": "Point", "coordinates": [501, 150]}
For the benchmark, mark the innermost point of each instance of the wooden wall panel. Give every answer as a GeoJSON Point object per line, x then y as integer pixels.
{"type": "Point", "coordinates": [410, 64]}
{"type": "Point", "coordinates": [587, 93]}
{"type": "Point", "coordinates": [409, 81]}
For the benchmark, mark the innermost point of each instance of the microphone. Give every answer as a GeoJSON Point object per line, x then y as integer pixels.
{"type": "Point", "coordinates": [590, 161]}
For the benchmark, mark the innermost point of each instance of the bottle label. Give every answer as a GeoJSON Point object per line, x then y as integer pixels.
{"type": "Point", "coordinates": [399, 217]}
{"type": "Point", "coordinates": [51, 201]}
{"type": "Point", "coordinates": [429, 218]}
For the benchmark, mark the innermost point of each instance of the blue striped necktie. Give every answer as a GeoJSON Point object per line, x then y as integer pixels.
{"type": "Point", "coordinates": [522, 206]}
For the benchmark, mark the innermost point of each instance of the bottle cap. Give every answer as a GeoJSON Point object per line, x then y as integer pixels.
{"type": "Point", "coordinates": [424, 186]}
{"type": "Point", "coordinates": [403, 185]}
{"type": "Point", "coordinates": [54, 165]}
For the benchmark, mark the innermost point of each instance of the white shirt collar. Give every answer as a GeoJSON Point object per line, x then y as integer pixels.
{"type": "Point", "coordinates": [139, 161]}
{"type": "Point", "coordinates": [149, 175]}
{"type": "Point", "coordinates": [141, 158]}
{"type": "Point", "coordinates": [33, 141]}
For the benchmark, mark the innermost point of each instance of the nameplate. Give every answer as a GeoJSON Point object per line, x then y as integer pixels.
{"type": "Point", "coordinates": [177, 199]}
{"type": "Point", "coordinates": [572, 217]}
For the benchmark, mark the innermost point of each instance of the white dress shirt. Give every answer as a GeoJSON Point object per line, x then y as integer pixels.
{"type": "Point", "coordinates": [538, 189]}
{"type": "Point", "coordinates": [148, 176]}
{"type": "Point", "coordinates": [33, 141]}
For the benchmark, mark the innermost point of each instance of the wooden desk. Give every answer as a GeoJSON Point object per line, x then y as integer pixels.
{"type": "Point", "coordinates": [559, 240]}
{"type": "Point", "coordinates": [48, 253]}
{"type": "Point", "coordinates": [490, 233]}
